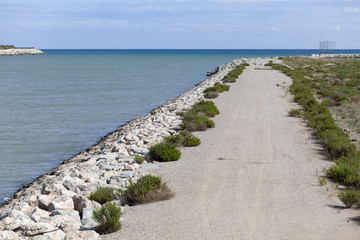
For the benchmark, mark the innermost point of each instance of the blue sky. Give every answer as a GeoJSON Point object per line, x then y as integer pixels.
{"type": "Point", "coordinates": [224, 24]}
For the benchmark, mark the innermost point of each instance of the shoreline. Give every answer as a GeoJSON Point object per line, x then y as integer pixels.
{"type": "Point", "coordinates": [13, 52]}
{"type": "Point", "coordinates": [110, 163]}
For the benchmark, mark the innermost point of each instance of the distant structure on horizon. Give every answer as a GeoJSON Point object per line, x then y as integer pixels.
{"type": "Point", "coordinates": [327, 47]}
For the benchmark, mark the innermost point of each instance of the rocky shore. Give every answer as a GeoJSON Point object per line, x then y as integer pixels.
{"type": "Point", "coordinates": [56, 205]}
{"type": "Point", "coordinates": [20, 51]}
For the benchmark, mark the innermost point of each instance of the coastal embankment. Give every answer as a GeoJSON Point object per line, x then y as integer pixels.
{"type": "Point", "coordinates": [20, 51]}
{"type": "Point", "coordinates": [254, 176]}
{"type": "Point", "coordinates": [56, 205]}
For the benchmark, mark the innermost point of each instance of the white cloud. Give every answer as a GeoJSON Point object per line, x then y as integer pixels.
{"type": "Point", "coordinates": [338, 28]}
{"type": "Point", "coordinates": [351, 10]}
{"type": "Point", "coordinates": [274, 29]}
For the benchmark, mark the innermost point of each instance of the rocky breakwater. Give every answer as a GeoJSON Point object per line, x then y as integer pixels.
{"type": "Point", "coordinates": [24, 51]}
{"type": "Point", "coordinates": [56, 205]}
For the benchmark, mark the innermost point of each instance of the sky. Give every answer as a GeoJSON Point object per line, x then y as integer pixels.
{"type": "Point", "coordinates": [180, 24]}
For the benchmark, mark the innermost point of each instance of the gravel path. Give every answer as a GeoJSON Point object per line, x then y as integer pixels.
{"type": "Point", "coordinates": [253, 177]}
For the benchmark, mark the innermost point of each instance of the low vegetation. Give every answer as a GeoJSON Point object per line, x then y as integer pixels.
{"type": "Point", "coordinates": [164, 152]}
{"type": "Point", "coordinates": [213, 92]}
{"type": "Point", "coordinates": [103, 195]}
{"type": "Point", "coordinates": [4, 47]}
{"type": "Point", "coordinates": [322, 87]}
{"type": "Point", "coordinates": [197, 118]}
{"type": "Point", "coordinates": [139, 159]}
{"type": "Point", "coordinates": [295, 112]}
{"type": "Point", "coordinates": [234, 74]}
{"type": "Point", "coordinates": [184, 139]}
{"type": "Point", "coordinates": [147, 189]}
{"type": "Point", "coordinates": [108, 217]}
{"type": "Point", "coordinates": [349, 197]}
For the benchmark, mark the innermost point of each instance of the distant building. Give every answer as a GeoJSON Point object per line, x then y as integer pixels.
{"type": "Point", "coordinates": [327, 47]}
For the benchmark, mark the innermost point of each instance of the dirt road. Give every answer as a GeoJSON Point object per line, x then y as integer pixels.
{"type": "Point", "coordinates": [253, 177]}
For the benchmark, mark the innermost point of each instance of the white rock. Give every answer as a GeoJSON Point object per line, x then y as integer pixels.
{"type": "Point", "coordinates": [61, 203]}
{"type": "Point", "coordinates": [72, 213]}
{"type": "Point", "coordinates": [55, 235]}
{"type": "Point", "coordinates": [88, 235]}
{"type": "Point", "coordinates": [45, 200]}
{"type": "Point", "coordinates": [38, 214]}
{"type": "Point", "coordinates": [32, 228]}
{"type": "Point", "coordinates": [64, 222]}
{"type": "Point", "coordinates": [8, 235]}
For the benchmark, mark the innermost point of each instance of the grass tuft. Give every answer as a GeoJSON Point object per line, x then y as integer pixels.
{"type": "Point", "coordinates": [108, 217]}
{"type": "Point", "coordinates": [103, 195]}
{"type": "Point", "coordinates": [349, 197]}
{"type": "Point", "coordinates": [147, 189]}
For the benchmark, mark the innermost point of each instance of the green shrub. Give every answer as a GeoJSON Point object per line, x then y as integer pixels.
{"type": "Point", "coordinates": [184, 139]}
{"type": "Point", "coordinates": [211, 95]}
{"type": "Point", "coordinates": [234, 74]}
{"type": "Point", "coordinates": [164, 152]}
{"type": "Point", "coordinates": [194, 122]}
{"type": "Point", "coordinates": [139, 159]}
{"type": "Point", "coordinates": [337, 143]}
{"type": "Point", "coordinates": [147, 189]}
{"type": "Point", "coordinates": [108, 217]}
{"type": "Point", "coordinates": [345, 166]}
{"type": "Point", "coordinates": [349, 197]}
{"type": "Point", "coordinates": [175, 140]}
{"type": "Point", "coordinates": [206, 107]}
{"type": "Point", "coordinates": [295, 113]}
{"type": "Point", "coordinates": [103, 195]}
{"type": "Point", "coordinates": [218, 88]}
{"type": "Point", "coordinates": [152, 112]}
{"type": "Point", "coordinates": [191, 141]}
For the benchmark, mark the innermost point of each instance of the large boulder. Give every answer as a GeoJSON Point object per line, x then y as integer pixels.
{"type": "Point", "coordinates": [8, 235]}
{"type": "Point", "coordinates": [61, 203]}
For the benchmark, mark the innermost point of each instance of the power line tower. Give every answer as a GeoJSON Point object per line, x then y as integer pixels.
{"type": "Point", "coordinates": [327, 47]}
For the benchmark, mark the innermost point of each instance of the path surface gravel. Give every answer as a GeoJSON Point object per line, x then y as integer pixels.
{"type": "Point", "coordinates": [255, 176]}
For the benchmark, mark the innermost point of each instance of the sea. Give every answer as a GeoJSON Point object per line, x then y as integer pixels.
{"type": "Point", "coordinates": [56, 105]}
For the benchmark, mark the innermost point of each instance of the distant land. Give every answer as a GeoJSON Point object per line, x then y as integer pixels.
{"type": "Point", "coordinates": [9, 50]}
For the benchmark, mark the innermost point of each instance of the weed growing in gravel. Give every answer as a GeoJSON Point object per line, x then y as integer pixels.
{"type": "Point", "coordinates": [139, 159]}
{"type": "Point", "coordinates": [349, 197]}
{"type": "Point", "coordinates": [295, 112]}
{"type": "Point", "coordinates": [152, 112]}
{"type": "Point", "coordinates": [147, 189]}
{"type": "Point", "coordinates": [164, 152]}
{"type": "Point", "coordinates": [103, 195]}
{"type": "Point", "coordinates": [108, 217]}
{"type": "Point", "coordinates": [322, 181]}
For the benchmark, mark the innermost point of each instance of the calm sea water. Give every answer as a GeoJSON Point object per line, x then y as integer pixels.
{"type": "Point", "coordinates": [55, 105]}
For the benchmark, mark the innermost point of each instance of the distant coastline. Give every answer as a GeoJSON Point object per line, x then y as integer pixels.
{"type": "Point", "coordinates": [20, 51]}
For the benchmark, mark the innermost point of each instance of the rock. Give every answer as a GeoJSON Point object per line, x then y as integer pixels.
{"type": "Point", "coordinates": [61, 203]}
{"type": "Point", "coordinates": [72, 183]}
{"type": "Point", "coordinates": [138, 150]}
{"type": "Point", "coordinates": [53, 188]}
{"type": "Point", "coordinates": [32, 228]}
{"type": "Point", "coordinates": [87, 213]}
{"type": "Point", "coordinates": [8, 235]}
{"type": "Point", "coordinates": [38, 214]}
{"type": "Point", "coordinates": [88, 235]}
{"type": "Point", "coordinates": [64, 222]}
{"type": "Point", "coordinates": [55, 235]}
{"type": "Point", "coordinates": [45, 200]}
{"type": "Point", "coordinates": [72, 213]}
